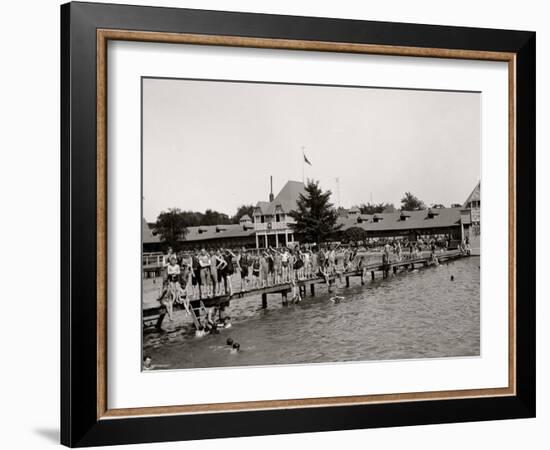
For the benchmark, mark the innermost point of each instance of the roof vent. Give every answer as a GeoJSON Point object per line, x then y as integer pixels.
{"type": "Point", "coordinates": [432, 213]}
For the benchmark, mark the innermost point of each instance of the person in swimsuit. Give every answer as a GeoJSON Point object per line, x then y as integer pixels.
{"type": "Point", "coordinates": [204, 273]}
{"type": "Point", "coordinates": [244, 264]}
{"type": "Point", "coordinates": [277, 266]}
{"type": "Point", "coordinates": [255, 270]}
{"type": "Point", "coordinates": [165, 261]}
{"type": "Point", "coordinates": [214, 261]}
{"type": "Point", "coordinates": [228, 271]}
{"type": "Point", "coordinates": [298, 265]}
{"type": "Point", "coordinates": [186, 267]}
{"type": "Point", "coordinates": [314, 262]}
{"type": "Point", "coordinates": [264, 269]}
{"type": "Point", "coordinates": [270, 268]}
{"type": "Point", "coordinates": [196, 276]}
{"type": "Point", "coordinates": [174, 288]}
{"type": "Point", "coordinates": [331, 258]}
{"type": "Point", "coordinates": [285, 255]}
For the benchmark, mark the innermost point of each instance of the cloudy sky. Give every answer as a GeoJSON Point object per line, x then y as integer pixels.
{"type": "Point", "coordinates": [214, 144]}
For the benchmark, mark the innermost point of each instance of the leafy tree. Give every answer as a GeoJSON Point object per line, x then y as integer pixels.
{"type": "Point", "coordinates": [241, 211]}
{"type": "Point", "coordinates": [437, 206]}
{"type": "Point", "coordinates": [456, 205]}
{"type": "Point", "coordinates": [355, 234]}
{"type": "Point", "coordinates": [211, 217]}
{"type": "Point", "coordinates": [410, 202]}
{"type": "Point", "coordinates": [389, 208]}
{"type": "Point", "coordinates": [315, 216]}
{"type": "Point", "coordinates": [171, 227]}
{"type": "Point", "coordinates": [374, 208]}
{"type": "Point", "coordinates": [371, 208]}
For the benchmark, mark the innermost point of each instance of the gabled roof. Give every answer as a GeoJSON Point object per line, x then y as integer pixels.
{"type": "Point", "coordinates": [286, 198]}
{"type": "Point", "coordinates": [447, 217]}
{"type": "Point", "coordinates": [246, 217]}
{"type": "Point", "coordinates": [474, 196]}
{"type": "Point", "coordinates": [147, 236]}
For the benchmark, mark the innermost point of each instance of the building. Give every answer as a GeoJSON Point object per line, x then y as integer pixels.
{"type": "Point", "coordinates": [150, 242]}
{"type": "Point", "coordinates": [471, 217]}
{"type": "Point", "coordinates": [407, 224]}
{"type": "Point", "coordinates": [272, 223]}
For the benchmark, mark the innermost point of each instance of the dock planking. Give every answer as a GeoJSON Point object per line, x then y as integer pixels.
{"type": "Point", "coordinates": [156, 314]}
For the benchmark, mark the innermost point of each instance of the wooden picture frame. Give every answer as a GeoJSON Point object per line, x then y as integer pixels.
{"type": "Point", "coordinates": [85, 416]}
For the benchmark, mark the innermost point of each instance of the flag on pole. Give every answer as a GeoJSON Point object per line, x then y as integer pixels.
{"type": "Point", "coordinates": [305, 158]}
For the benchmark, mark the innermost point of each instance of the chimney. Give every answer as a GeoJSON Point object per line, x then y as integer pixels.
{"type": "Point", "coordinates": [271, 197]}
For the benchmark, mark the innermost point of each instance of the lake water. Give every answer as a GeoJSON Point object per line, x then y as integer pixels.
{"type": "Point", "coordinates": [418, 314]}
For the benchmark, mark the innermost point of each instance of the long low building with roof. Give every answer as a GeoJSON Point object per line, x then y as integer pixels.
{"type": "Point", "coordinates": [271, 224]}
{"type": "Point", "coordinates": [408, 224]}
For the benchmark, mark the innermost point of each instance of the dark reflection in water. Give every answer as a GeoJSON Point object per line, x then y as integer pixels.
{"type": "Point", "coordinates": [419, 314]}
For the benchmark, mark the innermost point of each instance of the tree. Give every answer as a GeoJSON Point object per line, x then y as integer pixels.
{"type": "Point", "coordinates": [355, 234]}
{"type": "Point", "coordinates": [437, 206]}
{"type": "Point", "coordinates": [409, 202]}
{"type": "Point", "coordinates": [456, 205]}
{"type": "Point", "coordinates": [373, 208]}
{"type": "Point", "coordinates": [241, 211]}
{"type": "Point", "coordinates": [171, 227]}
{"type": "Point", "coordinates": [315, 216]}
{"type": "Point", "coordinates": [212, 217]}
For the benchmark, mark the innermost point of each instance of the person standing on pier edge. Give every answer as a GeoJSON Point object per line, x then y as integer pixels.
{"type": "Point", "coordinates": [204, 264]}
{"type": "Point", "coordinates": [243, 260]}
{"type": "Point", "coordinates": [215, 260]}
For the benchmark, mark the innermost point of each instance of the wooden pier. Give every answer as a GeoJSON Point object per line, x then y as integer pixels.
{"type": "Point", "coordinates": [155, 314]}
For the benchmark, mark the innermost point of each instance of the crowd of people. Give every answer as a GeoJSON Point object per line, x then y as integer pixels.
{"type": "Point", "coordinates": [206, 274]}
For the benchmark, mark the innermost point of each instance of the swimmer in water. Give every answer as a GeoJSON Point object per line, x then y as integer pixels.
{"type": "Point", "coordinates": [236, 348]}
{"type": "Point", "coordinates": [452, 277]}
{"type": "Point", "coordinates": [229, 341]}
{"type": "Point", "coordinates": [147, 363]}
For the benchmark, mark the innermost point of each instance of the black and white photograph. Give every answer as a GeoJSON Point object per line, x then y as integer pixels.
{"type": "Point", "coordinates": [298, 224]}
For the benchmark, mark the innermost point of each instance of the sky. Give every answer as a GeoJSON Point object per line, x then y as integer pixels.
{"type": "Point", "coordinates": [214, 144]}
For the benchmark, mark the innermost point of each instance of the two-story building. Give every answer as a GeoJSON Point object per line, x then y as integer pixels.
{"type": "Point", "coordinates": [272, 224]}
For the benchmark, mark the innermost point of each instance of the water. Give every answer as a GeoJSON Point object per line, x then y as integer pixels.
{"type": "Point", "coordinates": [419, 314]}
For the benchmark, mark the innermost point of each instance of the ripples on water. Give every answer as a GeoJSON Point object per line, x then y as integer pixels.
{"type": "Point", "coordinates": [420, 314]}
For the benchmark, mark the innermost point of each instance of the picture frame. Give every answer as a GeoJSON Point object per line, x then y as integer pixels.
{"type": "Point", "coordinates": [86, 418]}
